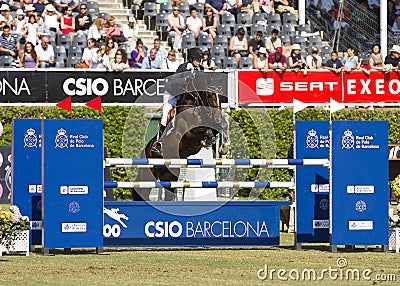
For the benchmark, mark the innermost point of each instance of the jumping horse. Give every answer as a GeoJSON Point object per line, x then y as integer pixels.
{"type": "Point", "coordinates": [197, 120]}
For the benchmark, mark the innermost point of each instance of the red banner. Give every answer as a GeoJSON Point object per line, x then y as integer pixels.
{"type": "Point", "coordinates": [317, 87]}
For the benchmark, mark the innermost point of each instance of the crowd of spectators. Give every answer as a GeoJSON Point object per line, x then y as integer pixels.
{"type": "Point", "coordinates": [33, 37]}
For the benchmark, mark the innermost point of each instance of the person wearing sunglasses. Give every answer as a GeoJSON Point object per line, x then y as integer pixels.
{"type": "Point", "coordinates": [176, 26]}
{"type": "Point", "coordinates": [170, 63]}
{"type": "Point", "coordinates": [83, 20]}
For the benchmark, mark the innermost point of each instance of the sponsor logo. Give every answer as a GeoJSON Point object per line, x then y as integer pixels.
{"type": "Point", "coordinates": [361, 206]}
{"type": "Point", "coordinates": [320, 223]}
{"type": "Point", "coordinates": [265, 86]}
{"type": "Point", "coordinates": [115, 229]}
{"type": "Point", "coordinates": [361, 225]}
{"type": "Point", "coordinates": [74, 190]}
{"type": "Point", "coordinates": [73, 227]}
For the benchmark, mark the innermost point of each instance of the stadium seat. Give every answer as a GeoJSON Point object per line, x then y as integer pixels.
{"type": "Point", "coordinates": [74, 51]}
{"type": "Point", "coordinates": [218, 51]}
{"type": "Point", "coordinates": [165, 8]}
{"type": "Point", "coordinates": [6, 61]}
{"type": "Point", "coordinates": [274, 19]}
{"type": "Point", "coordinates": [225, 30]}
{"type": "Point", "coordinates": [288, 30]}
{"type": "Point", "coordinates": [290, 19]}
{"type": "Point", "coordinates": [63, 40]}
{"type": "Point", "coordinates": [246, 63]}
{"type": "Point", "coordinates": [184, 10]}
{"type": "Point", "coordinates": [230, 63]}
{"type": "Point", "coordinates": [72, 61]}
{"type": "Point", "coordinates": [60, 51]}
{"type": "Point", "coordinates": [258, 17]}
{"type": "Point", "coordinates": [162, 26]}
{"type": "Point", "coordinates": [103, 15]}
{"type": "Point", "coordinates": [326, 51]}
{"type": "Point", "coordinates": [150, 11]}
{"type": "Point", "coordinates": [205, 41]}
{"type": "Point", "coordinates": [218, 62]}
{"type": "Point", "coordinates": [255, 28]}
{"type": "Point", "coordinates": [304, 28]}
{"type": "Point", "coordinates": [244, 19]}
{"type": "Point", "coordinates": [80, 40]}
{"type": "Point", "coordinates": [286, 40]}
{"type": "Point", "coordinates": [315, 41]}
{"type": "Point", "coordinates": [93, 7]}
{"type": "Point", "coordinates": [221, 40]}
{"type": "Point", "coordinates": [228, 19]}
{"type": "Point", "coordinates": [270, 28]}
{"type": "Point", "coordinates": [188, 41]}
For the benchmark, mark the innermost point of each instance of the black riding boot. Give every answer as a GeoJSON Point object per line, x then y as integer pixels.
{"type": "Point", "coordinates": [156, 148]}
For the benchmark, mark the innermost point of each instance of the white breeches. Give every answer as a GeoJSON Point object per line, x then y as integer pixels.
{"type": "Point", "coordinates": [169, 102]}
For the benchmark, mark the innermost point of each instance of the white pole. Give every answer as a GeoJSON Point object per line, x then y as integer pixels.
{"type": "Point", "coordinates": [302, 12]}
{"type": "Point", "coordinates": [384, 32]}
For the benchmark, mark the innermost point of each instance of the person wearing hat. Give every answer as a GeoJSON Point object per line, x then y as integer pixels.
{"type": "Point", "coordinates": [296, 60]}
{"type": "Point", "coordinates": [19, 22]}
{"type": "Point", "coordinates": [260, 61]}
{"type": "Point", "coordinates": [273, 41]}
{"type": "Point", "coordinates": [131, 31]}
{"type": "Point", "coordinates": [175, 86]}
{"type": "Point", "coordinates": [277, 61]}
{"type": "Point", "coordinates": [5, 14]}
{"type": "Point", "coordinates": [83, 20]}
{"type": "Point", "coordinates": [51, 17]}
{"type": "Point", "coordinates": [392, 60]}
{"type": "Point", "coordinates": [314, 61]}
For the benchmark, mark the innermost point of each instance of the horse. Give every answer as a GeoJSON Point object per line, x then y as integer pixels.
{"type": "Point", "coordinates": [197, 121]}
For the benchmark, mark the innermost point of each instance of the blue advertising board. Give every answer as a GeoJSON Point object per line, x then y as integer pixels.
{"type": "Point", "coordinates": [72, 170]}
{"type": "Point", "coordinates": [175, 223]}
{"type": "Point", "coordinates": [359, 198]}
{"type": "Point", "coordinates": [312, 183]}
{"type": "Point", "coordinates": [26, 173]}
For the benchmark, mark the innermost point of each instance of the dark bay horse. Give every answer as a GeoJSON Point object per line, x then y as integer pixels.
{"type": "Point", "coordinates": [198, 119]}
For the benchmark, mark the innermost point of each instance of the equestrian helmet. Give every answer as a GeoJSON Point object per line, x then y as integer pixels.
{"type": "Point", "coordinates": [194, 53]}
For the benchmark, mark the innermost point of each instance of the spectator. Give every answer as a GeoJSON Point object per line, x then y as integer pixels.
{"type": "Point", "coordinates": [364, 66]}
{"type": "Point", "coordinates": [112, 30]}
{"type": "Point", "coordinates": [68, 24]}
{"type": "Point", "coordinates": [392, 60]}
{"type": "Point", "coordinates": [51, 17]}
{"type": "Point", "coordinates": [273, 41]}
{"type": "Point", "coordinates": [238, 46]}
{"type": "Point", "coordinates": [207, 62]}
{"type": "Point", "coordinates": [161, 51]}
{"type": "Point", "coordinates": [210, 22]}
{"type": "Point", "coordinates": [5, 14]}
{"type": "Point", "coordinates": [282, 6]}
{"type": "Point", "coordinates": [131, 31]}
{"type": "Point", "coordinates": [120, 62]}
{"type": "Point", "coordinates": [31, 30]}
{"type": "Point", "coordinates": [376, 59]}
{"type": "Point", "coordinates": [255, 44]}
{"type": "Point", "coordinates": [248, 7]}
{"type": "Point", "coordinates": [277, 61]}
{"type": "Point", "coordinates": [40, 5]}
{"type": "Point", "coordinates": [61, 5]}
{"type": "Point", "coordinates": [194, 24]}
{"type": "Point", "coordinates": [9, 46]}
{"type": "Point", "coordinates": [29, 9]}
{"type": "Point", "coordinates": [43, 29]}
{"type": "Point", "coordinates": [28, 58]}
{"type": "Point", "coordinates": [374, 6]}
{"type": "Point", "coordinates": [170, 63]}
{"type": "Point", "coordinates": [96, 30]}
{"type": "Point", "coordinates": [83, 20]}
{"type": "Point", "coordinates": [218, 6]}
{"type": "Point", "coordinates": [45, 53]}
{"type": "Point", "coordinates": [176, 26]}
{"type": "Point", "coordinates": [89, 52]}
{"type": "Point", "coordinates": [112, 48]}
{"type": "Point", "coordinates": [334, 64]}
{"type": "Point", "coordinates": [265, 6]}
{"type": "Point", "coordinates": [101, 60]}
{"type": "Point", "coordinates": [233, 6]}
{"type": "Point", "coordinates": [137, 55]}
{"type": "Point", "coordinates": [260, 61]}
{"type": "Point", "coordinates": [152, 61]}
{"type": "Point", "coordinates": [314, 61]}
{"type": "Point", "coordinates": [350, 61]}
{"type": "Point", "coordinates": [296, 60]}
{"type": "Point", "coordinates": [19, 22]}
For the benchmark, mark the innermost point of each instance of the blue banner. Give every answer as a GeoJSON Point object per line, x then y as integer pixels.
{"type": "Point", "coordinates": [216, 223]}
{"type": "Point", "coordinates": [27, 173]}
{"type": "Point", "coordinates": [359, 200]}
{"type": "Point", "coordinates": [312, 183]}
{"type": "Point", "coordinates": [72, 183]}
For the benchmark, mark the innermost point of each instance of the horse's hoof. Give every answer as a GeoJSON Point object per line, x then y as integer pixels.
{"type": "Point", "coordinates": [224, 149]}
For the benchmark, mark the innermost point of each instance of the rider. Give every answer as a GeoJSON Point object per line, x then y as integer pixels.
{"type": "Point", "coordinates": [172, 90]}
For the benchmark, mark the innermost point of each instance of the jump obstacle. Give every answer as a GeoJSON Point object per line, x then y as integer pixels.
{"type": "Point", "coordinates": [236, 223]}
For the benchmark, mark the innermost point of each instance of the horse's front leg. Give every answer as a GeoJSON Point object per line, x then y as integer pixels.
{"type": "Point", "coordinates": [226, 141]}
